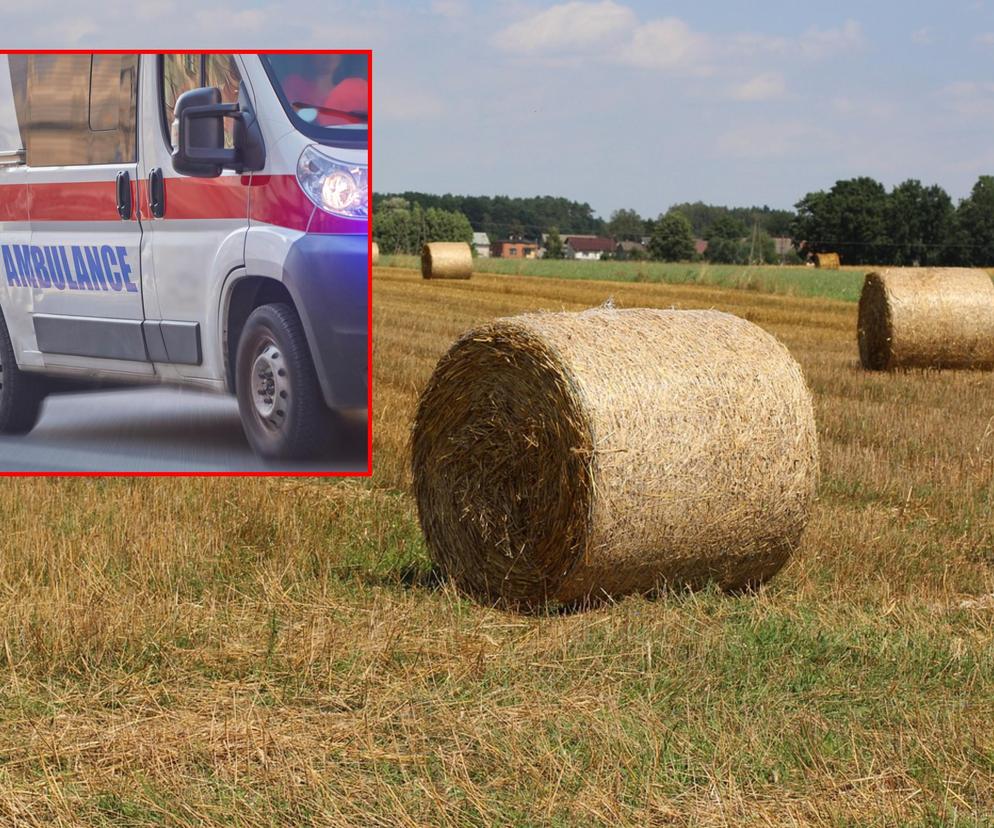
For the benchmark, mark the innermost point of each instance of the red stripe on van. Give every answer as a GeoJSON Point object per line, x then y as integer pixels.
{"type": "Point", "coordinates": [14, 202]}
{"type": "Point", "coordinates": [270, 199]}
{"type": "Point", "coordinates": [278, 199]}
{"type": "Point", "coordinates": [79, 201]}
{"type": "Point", "coordinates": [206, 198]}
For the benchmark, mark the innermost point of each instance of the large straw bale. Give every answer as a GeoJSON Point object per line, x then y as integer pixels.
{"type": "Point", "coordinates": [566, 457]}
{"type": "Point", "coordinates": [375, 253]}
{"type": "Point", "coordinates": [446, 260]}
{"type": "Point", "coordinates": [926, 318]}
{"type": "Point", "coordinates": [827, 261]}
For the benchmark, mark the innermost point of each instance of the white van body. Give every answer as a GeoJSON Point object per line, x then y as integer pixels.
{"type": "Point", "coordinates": [161, 289]}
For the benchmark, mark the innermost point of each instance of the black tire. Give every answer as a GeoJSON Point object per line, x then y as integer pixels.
{"type": "Point", "coordinates": [300, 425]}
{"type": "Point", "coordinates": [21, 393]}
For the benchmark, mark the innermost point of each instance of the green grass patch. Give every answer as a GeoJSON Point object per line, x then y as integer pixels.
{"type": "Point", "coordinates": [790, 281]}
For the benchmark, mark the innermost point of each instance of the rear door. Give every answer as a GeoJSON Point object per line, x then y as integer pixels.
{"type": "Point", "coordinates": [82, 164]}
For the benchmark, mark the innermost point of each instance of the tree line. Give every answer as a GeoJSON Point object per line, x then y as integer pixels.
{"type": "Point", "coordinates": [913, 224]}
{"type": "Point", "coordinates": [400, 226]}
{"type": "Point", "coordinates": [857, 218]}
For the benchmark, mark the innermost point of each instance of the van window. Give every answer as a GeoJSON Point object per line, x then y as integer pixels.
{"type": "Point", "coordinates": [180, 73]}
{"type": "Point", "coordinates": [79, 109]}
{"type": "Point", "coordinates": [10, 131]}
{"type": "Point", "coordinates": [105, 92]}
{"type": "Point", "coordinates": [222, 71]}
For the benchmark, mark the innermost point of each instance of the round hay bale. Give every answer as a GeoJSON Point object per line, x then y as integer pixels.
{"type": "Point", "coordinates": [567, 457]}
{"type": "Point", "coordinates": [827, 261]}
{"type": "Point", "coordinates": [375, 253]}
{"type": "Point", "coordinates": [446, 260]}
{"type": "Point", "coordinates": [926, 318]}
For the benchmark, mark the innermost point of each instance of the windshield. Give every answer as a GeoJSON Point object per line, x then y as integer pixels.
{"type": "Point", "coordinates": [325, 94]}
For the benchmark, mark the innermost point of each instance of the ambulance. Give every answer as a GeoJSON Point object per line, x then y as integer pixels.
{"type": "Point", "coordinates": [191, 219]}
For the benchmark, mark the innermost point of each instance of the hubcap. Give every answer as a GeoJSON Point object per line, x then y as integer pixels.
{"type": "Point", "coordinates": [270, 386]}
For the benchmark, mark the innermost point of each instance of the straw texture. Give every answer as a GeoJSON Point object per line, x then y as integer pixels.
{"type": "Point", "coordinates": [446, 260]}
{"type": "Point", "coordinates": [827, 261]}
{"type": "Point", "coordinates": [376, 253]}
{"type": "Point", "coordinates": [926, 318]}
{"type": "Point", "coordinates": [566, 457]}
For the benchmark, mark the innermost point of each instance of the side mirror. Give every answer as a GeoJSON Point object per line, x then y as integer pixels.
{"type": "Point", "coordinates": [199, 133]}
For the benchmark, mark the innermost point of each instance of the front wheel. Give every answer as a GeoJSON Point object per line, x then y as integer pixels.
{"type": "Point", "coordinates": [279, 398]}
{"type": "Point", "coordinates": [21, 394]}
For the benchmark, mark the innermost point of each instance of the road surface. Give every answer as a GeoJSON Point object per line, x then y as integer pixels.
{"type": "Point", "coordinates": [155, 429]}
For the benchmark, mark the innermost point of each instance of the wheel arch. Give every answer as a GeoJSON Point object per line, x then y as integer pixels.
{"type": "Point", "coordinates": [244, 295]}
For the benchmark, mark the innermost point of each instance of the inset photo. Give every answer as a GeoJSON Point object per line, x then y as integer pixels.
{"type": "Point", "coordinates": [186, 270]}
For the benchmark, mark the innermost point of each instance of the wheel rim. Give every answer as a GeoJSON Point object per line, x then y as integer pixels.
{"type": "Point", "coordinates": [270, 386]}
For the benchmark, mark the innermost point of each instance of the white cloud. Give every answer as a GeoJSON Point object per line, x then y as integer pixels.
{"type": "Point", "coordinates": [392, 102]}
{"type": "Point", "coordinates": [246, 20]}
{"type": "Point", "coordinates": [668, 44]}
{"type": "Point", "coordinates": [770, 139]}
{"type": "Point", "coordinates": [72, 29]}
{"type": "Point", "coordinates": [813, 44]}
{"type": "Point", "coordinates": [985, 39]}
{"type": "Point", "coordinates": [922, 36]}
{"type": "Point", "coordinates": [449, 8]}
{"type": "Point", "coordinates": [568, 26]}
{"type": "Point", "coordinates": [612, 32]}
{"type": "Point", "coordinates": [765, 87]}
{"type": "Point", "coordinates": [970, 98]}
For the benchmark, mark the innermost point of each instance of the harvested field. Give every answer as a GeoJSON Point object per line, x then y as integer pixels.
{"type": "Point", "coordinates": [262, 652]}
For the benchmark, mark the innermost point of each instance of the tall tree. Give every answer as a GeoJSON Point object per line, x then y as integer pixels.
{"type": "Point", "coordinates": [976, 224]}
{"type": "Point", "coordinates": [554, 245]}
{"type": "Point", "coordinates": [920, 224]}
{"type": "Point", "coordinates": [626, 225]}
{"type": "Point", "coordinates": [850, 219]}
{"type": "Point", "coordinates": [672, 239]}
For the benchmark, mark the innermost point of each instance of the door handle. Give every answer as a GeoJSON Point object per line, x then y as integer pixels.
{"type": "Point", "coordinates": [125, 207]}
{"type": "Point", "coordinates": [157, 193]}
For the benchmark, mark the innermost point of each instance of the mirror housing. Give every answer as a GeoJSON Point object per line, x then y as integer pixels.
{"type": "Point", "coordinates": [199, 138]}
{"type": "Point", "coordinates": [249, 145]}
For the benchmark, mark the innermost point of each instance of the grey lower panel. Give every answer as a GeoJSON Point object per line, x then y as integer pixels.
{"type": "Point", "coordinates": [154, 342]}
{"type": "Point", "coordinates": [131, 339]}
{"type": "Point", "coordinates": [182, 341]}
{"type": "Point", "coordinates": [90, 337]}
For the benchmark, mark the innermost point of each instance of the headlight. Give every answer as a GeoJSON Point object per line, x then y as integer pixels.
{"type": "Point", "coordinates": [334, 186]}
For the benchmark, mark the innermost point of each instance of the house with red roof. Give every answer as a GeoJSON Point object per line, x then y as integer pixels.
{"type": "Point", "coordinates": [587, 247]}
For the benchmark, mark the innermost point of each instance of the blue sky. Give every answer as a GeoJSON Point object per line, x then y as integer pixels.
{"type": "Point", "coordinates": [622, 104]}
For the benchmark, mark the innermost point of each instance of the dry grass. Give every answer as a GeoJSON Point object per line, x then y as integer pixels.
{"type": "Point", "coordinates": [258, 653]}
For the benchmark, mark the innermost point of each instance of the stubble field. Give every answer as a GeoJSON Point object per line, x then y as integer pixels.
{"type": "Point", "coordinates": [271, 652]}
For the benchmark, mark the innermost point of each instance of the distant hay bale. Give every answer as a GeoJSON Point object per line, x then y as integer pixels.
{"type": "Point", "coordinates": [446, 260]}
{"type": "Point", "coordinates": [827, 261]}
{"type": "Point", "coordinates": [567, 457]}
{"type": "Point", "coordinates": [926, 318]}
{"type": "Point", "coordinates": [376, 253]}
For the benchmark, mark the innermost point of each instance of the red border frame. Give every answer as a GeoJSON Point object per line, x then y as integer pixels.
{"type": "Point", "coordinates": [369, 275]}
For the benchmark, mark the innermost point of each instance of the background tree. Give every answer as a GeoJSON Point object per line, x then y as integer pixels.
{"type": "Point", "coordinates": [554, 245]}
{"type": "Point", "coordinates": [850, 219]}
{"type": "Point", "coordinates": [400, 227]}
{"type": "Point", "coordinates": [626, 225]}
{"type": "Point", "coordinates": [921, 225]}
{"type": "Point", "coordinates": [725, 240]}
{"type": "Point", "coordinates": [672, 239]}
{"type": "Point", "coordinates": [975, 217]}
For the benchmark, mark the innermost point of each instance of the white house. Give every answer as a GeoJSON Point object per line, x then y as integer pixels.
{"type": "Point", "coordinates": [589, 248]}
{"type": "Point", "coordinates": [481, 241]}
